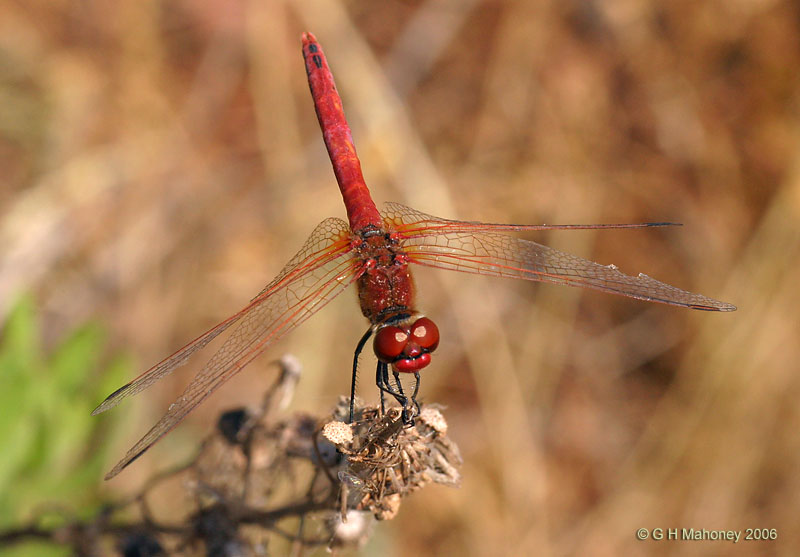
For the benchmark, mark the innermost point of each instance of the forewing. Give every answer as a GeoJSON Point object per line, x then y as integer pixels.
{"type": "Point", "coordinates": [475, 248]}
{"type": "Point", "coordinates": [319, 272]}
{"type": "Point", "coordinates": [417, 223]}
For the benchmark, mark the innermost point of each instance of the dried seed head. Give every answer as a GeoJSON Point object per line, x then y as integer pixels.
{"type": "Point", "coordinates": [434, 419]}
{"type": "Point", "coordinates": [385, 460]}
{"type": "Point", "coordinates": [338, 433]}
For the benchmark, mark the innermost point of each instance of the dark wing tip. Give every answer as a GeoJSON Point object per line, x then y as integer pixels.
{"type": "Point", "coordinates": [109, 402]}
{"type": "Point", "coordinates": [719, 306]}
{"type": "Point", "coordinates": [124, 463]}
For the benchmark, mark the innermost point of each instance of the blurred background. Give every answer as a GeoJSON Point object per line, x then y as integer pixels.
{"type": "Point", "coordinates": [161, 161]}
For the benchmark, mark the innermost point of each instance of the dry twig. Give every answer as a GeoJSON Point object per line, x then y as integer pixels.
{"type": "Point", "coordinates": [257, 479]}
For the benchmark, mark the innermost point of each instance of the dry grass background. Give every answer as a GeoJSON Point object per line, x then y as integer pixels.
{"type": "Point", "coordinates": [161, 161]}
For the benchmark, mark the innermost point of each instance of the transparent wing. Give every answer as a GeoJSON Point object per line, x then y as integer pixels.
{"type": "Point", "coordinates": [417, 223]}
{"type": "Point", "coordinates": [474, 247]}
{"type": "Point", "coordinates": [317, 274]}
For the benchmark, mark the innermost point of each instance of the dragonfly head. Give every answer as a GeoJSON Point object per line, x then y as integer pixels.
{"type": "Point", "coordinates": [407, 346]}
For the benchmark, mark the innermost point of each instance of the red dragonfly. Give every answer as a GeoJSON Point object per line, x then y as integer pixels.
{"type": "Point", "coordinates": [374, 251]}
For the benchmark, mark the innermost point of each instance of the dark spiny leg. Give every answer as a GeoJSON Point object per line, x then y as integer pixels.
{"type": "Point", "coordinates": [379, 372]}
{"type": "Point", "coordinates": [385, 386]}
{"type": "Point", "coordinates": [399, 384]}
{"type": "Point", "coordinates": [408, 418]}
{"type": "Point", "coordinates": [359, 348]}
{"type": "Point", "coordinates": [382, 380]}
{"type": "Point", "coordinates": [416, 390]}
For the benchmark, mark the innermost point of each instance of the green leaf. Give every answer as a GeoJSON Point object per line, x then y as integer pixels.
{"type": "Point", "coordinates": [53, 450]}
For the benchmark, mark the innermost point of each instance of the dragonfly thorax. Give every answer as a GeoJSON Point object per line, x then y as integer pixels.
{"type": "Point", "coordinates": [407, 346]}
{"type": "Point", "coordinates": [385, 287]}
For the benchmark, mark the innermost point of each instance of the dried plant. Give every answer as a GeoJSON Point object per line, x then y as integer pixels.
{"type": "Point", "coordinates": [259, 481]}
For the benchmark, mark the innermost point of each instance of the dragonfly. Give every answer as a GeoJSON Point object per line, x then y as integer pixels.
{"type": "Point", "coordinates": [374, 250]}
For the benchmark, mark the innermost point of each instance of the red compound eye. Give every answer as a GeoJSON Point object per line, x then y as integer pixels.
{"type": "Point", "coordinates": [389, 343]}
{"type": "Point", "coordinates": [411, 365]}
{"type": "Point", "coordinates": [425, 333]}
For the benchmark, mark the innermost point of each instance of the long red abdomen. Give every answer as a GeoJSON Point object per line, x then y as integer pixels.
{"type": "Point", "coordinates": [361, 210]}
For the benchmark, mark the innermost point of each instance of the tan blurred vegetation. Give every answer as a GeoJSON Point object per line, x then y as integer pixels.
{"type": "Point", "coordinates": [161, 161]}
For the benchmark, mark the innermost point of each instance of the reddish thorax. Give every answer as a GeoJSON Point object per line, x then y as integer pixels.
{"type": "Point", "coordinates": [385, 290]}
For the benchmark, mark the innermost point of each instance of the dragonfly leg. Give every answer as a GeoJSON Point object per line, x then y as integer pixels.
{"type": "Point", "coordinates": [408, 418]}
{"type": "Point", "coordinates": [416, 391]}
{"type": "Point", "coordinates": [379, 372]}
{"type": "Point", "coordinates": [399, 384]}
{"type": "Point", "coordinates": [383, 383]}
{"type": "Point", "coordinates": [359, 348]}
